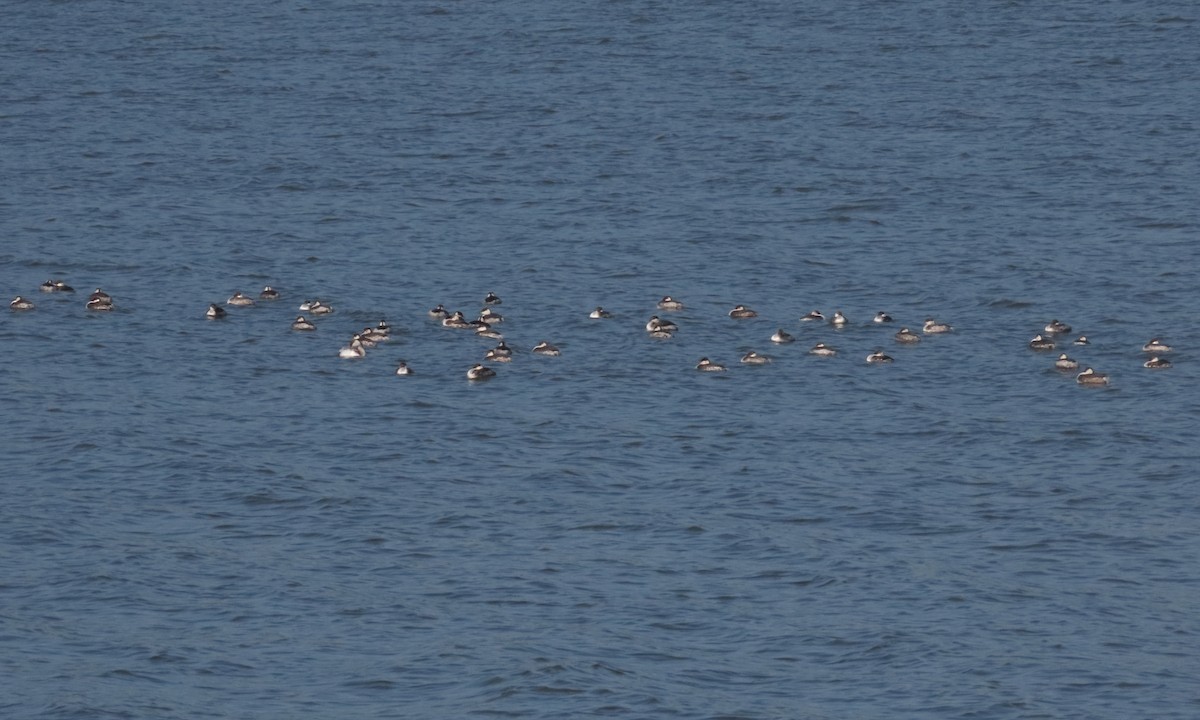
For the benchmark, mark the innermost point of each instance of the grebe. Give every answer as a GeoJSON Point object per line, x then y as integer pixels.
{"type": "Point", "coordinates": [1091, 377]}
{"type": "Point", "coordinates": [1065, 363]}
{"type": "Point", "coordinates": [480, 372]}
{"type": "Point", "coordinates": [1041, 343]}
{"type": "Point", "coordinates": [933, 327]}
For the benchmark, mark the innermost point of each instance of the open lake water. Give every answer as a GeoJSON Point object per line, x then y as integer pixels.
{"type": "Point", "coordinates": [224, 519]}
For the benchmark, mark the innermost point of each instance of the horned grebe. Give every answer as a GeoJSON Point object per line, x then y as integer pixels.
{"type": "Point", "coordinates": [838, 319]}
{"type": "Point", "coordinates": [706, 365]}
{"type": "Point", "coordinates": [545, 348]}
{"type": "Point", "coordinates": [56, 286]}
{"type": "Point", "coordinates": [1082, 340]}
{"type": "Point", "coordinates": [239, 300]}
{"type": "Point", "coordinates": [20, 303]}
{"type": "Point", "coordinates": [882, 317]}
{"type": "Point", "coordinates": [753, 358]}
{"type": "Point", "coordinates": [822, 350]}
{"type": "Point", "coordinates": [669, 303]}
{"type": "Point", "coordinates": [354, 350]}
{"type": "Point", "coordinates": [216, 312]}
{"type": "Point", "coordinates": [439, 313]}
{"type": "Point", "coordinates": [302, 323]}
{"type": "Point", "coordinates": [1156, 362]}
{"type": "Point", "coordinates": [487, 331]}
{"type": "Point", "coordinates": [1156, 346]}
{"type": "Point", "coordinates": [878, 357]}
{"type": "Point", "coordinates": [456, 320]}
{"type": "Point", "coordinates": [100, 304]}
{"type": "Point", "coordinates": [657, 324]}
{"type": "Point", "coordinates": [403, 369]}
{"type": "Point", "coordinates": [1065, 363]}
{"type": "Point", "coordinates": [933, 327]}
{"type": "Point", "coordinates": [812, 315]}
{"type": "Point", "coordinates": [782, 336]}
{"type": "Point", "coordinates": [1041, 343]}
{"type": "Point", "coordinates": [740, 312]}
{"type": "Point", "coordinates": [907, 336]}
{"type": "Point", "coordinates": [1056, 327]}
{"type": "Point", "coordinates": [1091, 377]}
{"type": "Point", "coordinates": [268, 293]}
{"type": "Point", "coordinates": [492, 299]}
{"type": "Point", "coordinates": [480, 372]}
{"type": "Point", "coordinates": [599, 313]}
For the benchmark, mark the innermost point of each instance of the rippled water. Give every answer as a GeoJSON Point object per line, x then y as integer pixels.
{"type": "Point", "coordinates": [224, 519]}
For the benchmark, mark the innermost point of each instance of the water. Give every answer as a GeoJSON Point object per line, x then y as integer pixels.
{"type": "Point", "coordinates": [224, 519]}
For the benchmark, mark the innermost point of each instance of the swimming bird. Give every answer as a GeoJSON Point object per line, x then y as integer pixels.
{"type": "Point", "coordinates": [100, 295]}
{"type": "Point", "coordinates": [1155, 362]}
{"type": "Point", "coordinates": [215, 311]}
{"type": "Point", "coordinates": [1091, 377]}
{"type": "Point", "coordinates": [657, 324]}
{"type": "Point", "coordinates": [1065, 363]}
{"type": "Point", "coordinates": [1057, 327]}
{"type": "Point", "coordinates": [490, 316]}
{"type": "Point", "coordinates": [268, 293]}
{"type": "Point", "coordinates": [706, 365]}
{"type": "Point", "coordinates": [812, 315]}
{"type": "Point", "coordinates": [320, 308]}
{"type": "Point", "coordinates": [239, 300]}
{"type": "Point", "coordinates": [599, 313]}
{"type": "Point", "coordinates": [782, 336]}
{"type": "Point", "coordinates": [56, 286]}
{"type": "Point", "coordinates": [669, 303]}
{"type": "Point", "coordinates": [545, 348]}
{"type": "Point", "coordinates": [740, 312]}
{"type": "Point", "coordinates": [882, 317]}
{"type": "Point", "coordinates": [822, 350]}
{"type": "Point", "coordinates": [1041, 343]}
{"type": "Point", "coordinates": [439, 313]}
{"type": "Point", "coordinates": [906, 336]}
{"type": "Point", "coordinates": [500, 353]}
{"type": "Point", "coordinates": [480, 372]}
{"type": "Point", "coordinates": [838, 319]}
{"type": "Point", "coordinates": [878, 357]}
{"type": "Point", "coordinates": [492, 299]}
{"type": "Point", "coordinates": [374, 335]}
{"type": "Point", "coordinates": [753, 358]}
{"type": "Point", "coordinates": [1082, 340]}
{"type": "Point", "coordinates": [933, 327]}
{"type": "Point", "coordinates": [403, 369]}
{"type": "Point", "coordinates": [455, 320]}
{"type": "Point", "coordinates": [302, 323]}
{"type": "Point", "coordinates": [356, 349]}
{"type": "Point", "coordinates": [487, 331]}
{"type": "Point", "coordinates": [20, 303]}
{"type": "Point", "coordinates": [1156, 346]}
{"type": "Point", "coordinates": [100, 304]}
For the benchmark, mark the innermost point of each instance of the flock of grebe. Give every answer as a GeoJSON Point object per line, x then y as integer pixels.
{"type": "Point", "coordinates": [656, 327]}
